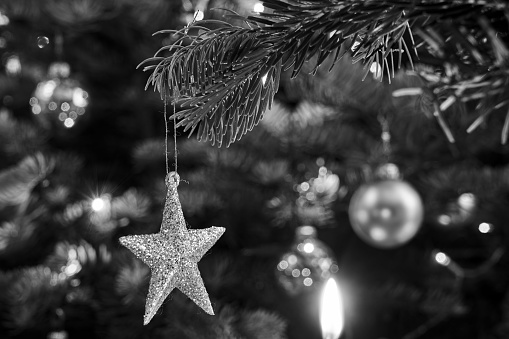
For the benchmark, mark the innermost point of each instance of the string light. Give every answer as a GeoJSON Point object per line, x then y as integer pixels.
{"type": "Point", "coordinates": [101, 214]}
{"type": "Point", "coordinates": [13, 65]}
{"type": "Point", "coordinates": [461, 272]}
{"type": "Point", "coordinates": [309, 247]}
{"type": "Point", "coordinates": [444, 219]}
{"type": "Point", "coordinates": [442, 258]}
{"type": "Point", "coordinates": [98, 204]}
{"type": "Point", "coordinates": [68, 122]}
{"type": "Point", "coordinates": [258, 7]}
{"type": "Point", "coordinates": [484, 227]}
{"type": "Point", "coordinates": [467, 201]}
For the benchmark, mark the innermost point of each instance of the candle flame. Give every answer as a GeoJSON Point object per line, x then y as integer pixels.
{"type": "Point", "coordinates": [331, 311]}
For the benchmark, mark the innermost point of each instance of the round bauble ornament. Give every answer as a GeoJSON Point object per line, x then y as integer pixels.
{"type": "Point", "coordinates": [307, 264]}
{"type": "Point", "coordinates": [59, 100]}
{"type": "Point", "coordinates": [386, 214]}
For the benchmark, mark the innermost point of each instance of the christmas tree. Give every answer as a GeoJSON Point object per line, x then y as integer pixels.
{"type": "Point", "coordinates": [363, 141]}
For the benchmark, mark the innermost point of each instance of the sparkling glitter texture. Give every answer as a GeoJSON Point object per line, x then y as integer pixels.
{"type": "Point", "coordinates": [173, 254]}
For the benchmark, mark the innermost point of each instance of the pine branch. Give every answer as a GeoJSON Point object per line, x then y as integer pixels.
{"type": "Point", "coordinates": [224, 84]}
{"type": "Point", "coordinates": [131, 281]}
{"type": "Point", "coordinates": [132, 205]}
{"type": "Point", "coordinates": [224, 78]}
{"type": "Point", "coordinates": [32, 298]}
{"type": "Point", "coordinates": [17, 182]}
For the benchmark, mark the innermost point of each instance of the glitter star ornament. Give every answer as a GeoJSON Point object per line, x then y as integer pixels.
{"type": "Point", "coordinates": [173, 255]}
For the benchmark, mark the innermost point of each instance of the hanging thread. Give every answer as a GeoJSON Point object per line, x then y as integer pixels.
{"type": "Point", "coordinates": [385, 136]}
{"type": "Point", "coordinates": [167, 131]}
{"type": "Point", "coordinates": [174, 102]}
{"type": "Point", "coordinates": [175, 131]}
{"type": "Point", "coordinates": [166, 134]}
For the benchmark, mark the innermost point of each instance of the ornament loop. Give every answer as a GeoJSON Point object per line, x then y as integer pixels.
{"type": "Point", "coordinates": [174, 176]}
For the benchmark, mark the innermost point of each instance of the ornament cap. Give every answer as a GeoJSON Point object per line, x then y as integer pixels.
{"type": "Point", "coordinates": [305, 231]}
{"type": "Point", "coordinates": [172, 178]}
{"type": "Point", "coordinates": [388, 171]}
{"type": "Point", "coordinates": [59, 69]}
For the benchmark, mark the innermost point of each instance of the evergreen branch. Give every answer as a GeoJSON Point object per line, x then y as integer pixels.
{"type": "Point", "coordinates": [17, 182]}
{"type": "Point", "coordinates": [15, 235]}
{"type": "Point", "coordinates": [130, 281]}
{"type": "Point", "coordinates": [217, 79]}
{"type": "Point", "coordinates": [224, 78]}
{"type": "Point", "coordinates": [31, 298]}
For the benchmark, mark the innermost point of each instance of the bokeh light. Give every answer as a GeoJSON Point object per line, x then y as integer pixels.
{"type": "Point", "coordinates": [442, 258]}
{"type": "Point", "coordinates": [485, 227]}
{"type": "Point", "coordinates": [98, 204]}
{"type": "Point", "coordinates": [258, 7]}
{"type": "Point", "coordinates": [42, 41]}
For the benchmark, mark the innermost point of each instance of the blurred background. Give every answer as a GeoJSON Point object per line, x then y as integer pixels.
{"type": "Point", "coordinates": [340, 179]}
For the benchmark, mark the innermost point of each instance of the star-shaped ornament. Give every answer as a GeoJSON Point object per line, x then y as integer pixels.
{"type": "Point", "coordinates": [173, 254]}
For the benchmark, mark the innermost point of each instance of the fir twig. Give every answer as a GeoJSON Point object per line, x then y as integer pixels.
{"type": "Point", "coordinates": [224, 78]}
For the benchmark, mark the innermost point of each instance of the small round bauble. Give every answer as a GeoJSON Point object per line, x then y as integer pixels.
{"type": "Point", "coordinates": [59, 100]}
{"type": "Point", "coordinates": [307, 264]}
{"type": "Point", "coordinates": [386, 214]}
